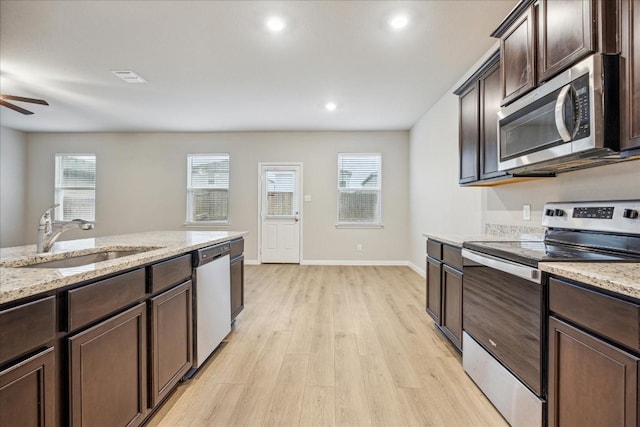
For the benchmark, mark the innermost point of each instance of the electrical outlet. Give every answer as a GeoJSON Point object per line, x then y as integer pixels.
{"type": "Point", "coordinates": [526, 212]}
{"type": "Point", "coordinates": [359, 247]}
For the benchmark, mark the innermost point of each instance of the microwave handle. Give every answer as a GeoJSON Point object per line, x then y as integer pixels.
{"type": "Point", "coordinates": [560, 124]}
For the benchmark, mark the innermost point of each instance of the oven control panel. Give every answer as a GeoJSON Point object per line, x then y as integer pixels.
{"type": "Point", "coordinates": [605, 212]}
{"type": "Point", "coordinates": [618, 216]}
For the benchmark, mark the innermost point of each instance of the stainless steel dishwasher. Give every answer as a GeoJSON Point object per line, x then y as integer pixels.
{"type": "Point", "coordinates": [212, 301]}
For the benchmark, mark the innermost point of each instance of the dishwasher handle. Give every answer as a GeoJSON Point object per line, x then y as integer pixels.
{"type": "Point", "coordinates": [211, 253]}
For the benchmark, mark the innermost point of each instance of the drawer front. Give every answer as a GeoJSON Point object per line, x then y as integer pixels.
{"type": "Point", "coordinates": [168, 273]}
{"type": "Point", "coordinates": [98, 299]}
{"type": "Point", "coordinates": [237, 248]}
{"type": "Point", "coordinates": [434, 249]}
{"type": "Point", "coordinates": [452, 255]}
{"type": "Point", "coordinates": [27, 327]}
{"type": "Point", "coordinates": [610, 317]}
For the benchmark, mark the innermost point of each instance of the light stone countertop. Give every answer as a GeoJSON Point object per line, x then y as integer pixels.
{"type": "Point", "coordinates": [17, 283]}
{"type": "Point", "coordinates": [619, 277]}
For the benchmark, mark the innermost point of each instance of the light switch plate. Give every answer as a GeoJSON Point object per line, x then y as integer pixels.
{"type": "Point", "coordinates": [526, 212]}
{"type": "Point", "coordinates": [307, 197]}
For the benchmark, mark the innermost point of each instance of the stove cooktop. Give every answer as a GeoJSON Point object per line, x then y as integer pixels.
{"type": "Point", "coordinates": [533, 252]}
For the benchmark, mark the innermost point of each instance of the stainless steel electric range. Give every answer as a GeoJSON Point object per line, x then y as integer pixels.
{"type": "Point", "coordinates": [504, 298]}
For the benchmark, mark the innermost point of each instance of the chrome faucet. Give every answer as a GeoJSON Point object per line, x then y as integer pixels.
{"type": "Point", "coordinates": [49, 230]}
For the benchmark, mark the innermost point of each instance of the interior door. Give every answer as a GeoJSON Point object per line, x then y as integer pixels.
{"type": "Point", "coordinates": [280, 213]}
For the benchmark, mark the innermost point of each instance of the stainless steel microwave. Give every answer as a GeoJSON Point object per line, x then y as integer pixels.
{"type": "Point", "coordinates": [569, 122]}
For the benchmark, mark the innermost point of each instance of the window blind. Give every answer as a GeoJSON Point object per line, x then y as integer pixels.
{"type": "Point", "coordinates": [359, 189]}
{"type": "Point", "coordinates": [208, 188]}
{"type": "Point", "coordinates": [75, 187]}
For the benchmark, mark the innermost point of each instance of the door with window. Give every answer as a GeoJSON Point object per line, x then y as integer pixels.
{"type": "Point", "coordinates": [280, 213]}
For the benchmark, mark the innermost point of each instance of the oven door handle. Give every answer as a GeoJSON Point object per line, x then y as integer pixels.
{"type": "Point", "coordinates": [525, 272]}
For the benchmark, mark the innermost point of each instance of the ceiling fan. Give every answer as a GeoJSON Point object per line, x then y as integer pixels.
{"type": "Point", "coordinates": [4, 103]}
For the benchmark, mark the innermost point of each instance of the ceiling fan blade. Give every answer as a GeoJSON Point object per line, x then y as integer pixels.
{"type": "Point", "coordinates": [15, 107]}
{"type": "Point", "coordinates": [23, 99]}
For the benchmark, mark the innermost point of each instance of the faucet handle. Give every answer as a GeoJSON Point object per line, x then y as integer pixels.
{"type": "Point", "coordinates": [46, 216]}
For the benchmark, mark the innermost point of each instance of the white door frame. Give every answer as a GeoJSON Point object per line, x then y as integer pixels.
{"type": "Point", "coordinates": [260, 195]}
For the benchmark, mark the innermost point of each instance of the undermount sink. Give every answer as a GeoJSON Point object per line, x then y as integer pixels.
{"type": "Point", "coordinates": [80, 260]}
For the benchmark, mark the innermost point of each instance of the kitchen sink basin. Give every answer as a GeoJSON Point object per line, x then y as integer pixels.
{"type": "Point", "coordinates": [80, 260]}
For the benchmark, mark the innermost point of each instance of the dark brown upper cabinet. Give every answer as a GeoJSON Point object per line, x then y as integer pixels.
{"type": "Point", "coordinates": [468, 129]}
{"type": "Point", "coordinates": [540, 39]}
{"type": "Point", "coordinates": [518, 53]}
{"type": "Point", "coordinates": [566, 33]}
{"type": "Point", "coordinates": [630, 83]}
{"type": "Point", "coordinates": [489, 107]}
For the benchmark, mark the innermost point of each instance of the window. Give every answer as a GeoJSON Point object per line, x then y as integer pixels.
{"type": "Point", "coordinates": [75, 187]}
{"type": "Point", "coordinates": [359, 189]}
{"type": "Point", "coordinates": [208, 188]}
{"type": "Point", "coordinates": [281, 195]}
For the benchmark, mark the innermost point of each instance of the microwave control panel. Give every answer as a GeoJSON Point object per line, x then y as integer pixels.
{"type": "Point", "coordinates": [582, 106]}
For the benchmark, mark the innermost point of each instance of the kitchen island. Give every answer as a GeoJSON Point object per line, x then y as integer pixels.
{"type": "Point", "coordinates": [103, 342]}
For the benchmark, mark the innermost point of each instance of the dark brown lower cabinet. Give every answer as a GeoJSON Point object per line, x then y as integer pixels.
{"type": "Point", "coordinates": [28, 392]}
{"type": "Point", "coordinates": [171, 339]}
{"type": "Point", "coordinates": [434, 288]}
{"type": "Point", "coordinates": [452, 305]}
{"type": "Point", "coordinates": [237, 286]}
{"type": "Point", "coordinates": [108, 372]}
{"type": "Point", "coordinates": [591, 383]}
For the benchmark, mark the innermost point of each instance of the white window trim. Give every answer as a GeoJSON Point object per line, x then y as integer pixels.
{"type": "Point", "coordinates": [207, 224]}
{"type": "Point", "coordinates": [379, 223]}
{"type": "Point", "coordinates": [55, 186]}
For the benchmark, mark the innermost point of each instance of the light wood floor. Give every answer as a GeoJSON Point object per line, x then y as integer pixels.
{"type": "Point", "coordinates": [331, 345]}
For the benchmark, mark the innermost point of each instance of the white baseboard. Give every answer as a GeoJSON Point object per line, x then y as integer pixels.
{"type": "Point", "coordinates": [351, 262]}
{"type": "Point", "coordinates": [417, 269]}
{"type": "Point", "coordinates": [251, 262]}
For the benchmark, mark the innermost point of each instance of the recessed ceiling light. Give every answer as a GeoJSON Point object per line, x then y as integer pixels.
{"type": "Point", "coordinates": [276, 24]}
{"type": "Point", "coordinates": [330, 106]}
{"type": "Point", "coordinates": [129, 76]}
{"type": "Point", "coordinates": [398, 22]}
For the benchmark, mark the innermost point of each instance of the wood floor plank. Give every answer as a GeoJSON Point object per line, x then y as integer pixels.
{"type": "Point", "coordinates": [331, 345]}
{"type": "Point", "coordinates": [318, 407]}
{"type": "Point", "coordinates": [285, 406]}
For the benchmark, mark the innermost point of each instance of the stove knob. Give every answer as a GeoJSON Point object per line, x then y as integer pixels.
{"type": "Point", "coordinates": [559, 212]}
{"type": "Point", "coordinates": [630, 213]}
{"type": "Point", "coordinates": [549, 212]}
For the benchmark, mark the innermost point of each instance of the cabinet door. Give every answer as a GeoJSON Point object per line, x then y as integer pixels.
{"type": "Point", "coordinates": [452, 305]}
{"type": "Point", "coordinates": [107, 372]}
{"type": "Point", "coordinates": [171, 339]}
{"type": "Point", "coordinates": [27, 392]}
{"type": "Point", "coordinates": [590, 382]}
{"type": "Point", "coordinates": [434, 288]}
{"type": "Point", "coordinates": [490, 105]}
{"type": "Point", "coordinates": [468, 128]}
{"type": "Point", "coordinates": [566, 34]}
{"type": "Point", "coordinates": [517, 56]}
{"type": "Point", "coordinates": [630, 44]}
{"type": "Point", "coordinates": [237, 286]}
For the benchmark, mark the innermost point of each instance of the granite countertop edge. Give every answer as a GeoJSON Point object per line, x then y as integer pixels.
{"type": "Point", "coordinates": [19, 283]}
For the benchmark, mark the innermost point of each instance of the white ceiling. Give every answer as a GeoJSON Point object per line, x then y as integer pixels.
{"type": "Point", "coordinates": [212, 66]}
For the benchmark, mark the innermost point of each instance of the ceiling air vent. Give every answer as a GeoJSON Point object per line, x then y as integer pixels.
{"type": "Point", "coordinates": [129, 76]}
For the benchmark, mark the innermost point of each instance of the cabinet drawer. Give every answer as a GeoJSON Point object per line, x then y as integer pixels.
{"type": "Point", "coordinates": [610, 317]}
{"type": "Point", "coordinates": [26, 327]}
{"type": "Point", "coordinates": [98, 299]}
{"type": "Point", "coordinates": [237, 248]}
{"type": "Point", "coordinates": [434, 249]}
{"type": "Point", "coordinates": [169, 273]}
{"type": "Point", "coordinates": [452, 255]}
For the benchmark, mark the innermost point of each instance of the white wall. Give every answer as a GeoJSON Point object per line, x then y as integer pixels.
{"type": "Point", "coordinates": [13, 167]}
{"type": "Point", "coordinates": [503, 204]}
{"type": "Point", "coordinates": [436, 202]}
{"type": "Point", "coordinates": [141, 180]}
